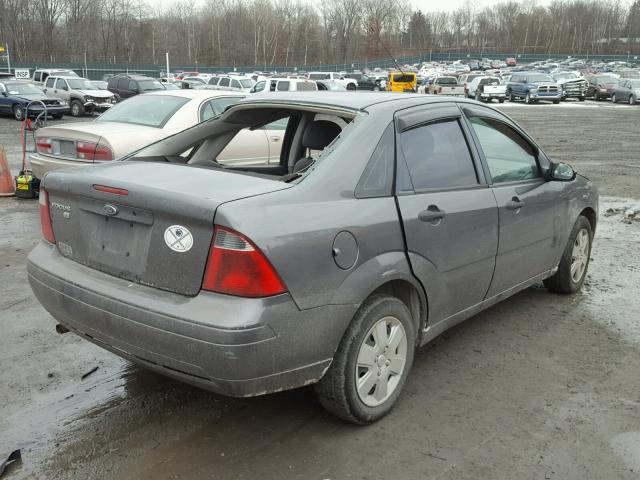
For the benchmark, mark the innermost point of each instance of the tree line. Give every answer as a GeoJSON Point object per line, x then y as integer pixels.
{"type": "Point", "coordinates": [272, 33]}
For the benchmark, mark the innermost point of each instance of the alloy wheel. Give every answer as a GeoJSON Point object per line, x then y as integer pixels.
{"type": "Point", "coordinates": [381, 361]}
{"type": "Point", "coordinates": [580, 255]}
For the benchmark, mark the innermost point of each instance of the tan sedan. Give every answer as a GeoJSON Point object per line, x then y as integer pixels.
{"type": "Point", "coordinates": [144, 119]}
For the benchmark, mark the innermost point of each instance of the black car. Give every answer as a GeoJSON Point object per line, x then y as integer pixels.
{"type": "Point", "coordinates": [125, 86]}
{"type": "Point", "coordinates": [15, 96]}
{"type": "Point", "coordinates": [365, 82]}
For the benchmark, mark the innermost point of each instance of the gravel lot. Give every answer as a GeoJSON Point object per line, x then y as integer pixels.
{"type": "Point", "coordinates": [540, 386]}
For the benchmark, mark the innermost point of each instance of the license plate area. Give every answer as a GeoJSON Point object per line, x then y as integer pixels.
{"type": "Point", "coordinates": [64, 148]}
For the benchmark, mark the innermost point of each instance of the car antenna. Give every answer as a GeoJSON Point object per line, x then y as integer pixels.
{"type": "Point", "coordinates": [384, 45]}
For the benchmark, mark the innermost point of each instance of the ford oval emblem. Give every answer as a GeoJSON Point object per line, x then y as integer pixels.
{"type": "Point", "coordinates": [110, 210]}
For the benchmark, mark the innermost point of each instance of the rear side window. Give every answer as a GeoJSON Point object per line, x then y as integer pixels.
{"type": "Point", "coordinates": [377, 178]}
{"type": "Point", "coordinates": [214, 80]}
{"type": "Point", "coordinates": [283, 86]}
{"type": "Point", "coordinates": [133, 86]}
{"type": "Point", "coordinates": [437, 156]}
{"type": "Point", "coordinates": [113, 83]}
{"type": "Point", "coordinates": [235, 84]}
{"type": "Point", "coordinates": [224, 82]}
{"type": "Point", "coordinates": [123, 84]}
{"type": "Point", "coordinates": [509, 156]}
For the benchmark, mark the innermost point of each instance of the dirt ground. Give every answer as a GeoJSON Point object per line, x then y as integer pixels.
{"type": "Point", "coordinates": [540, 386]}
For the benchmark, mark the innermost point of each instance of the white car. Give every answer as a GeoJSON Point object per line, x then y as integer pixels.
{"type": "Point", "coordinates": [348, 83]}
{"type": "Point", "coordinates": [145, 119]}
{"type": "Point", "coordinates": [80, 93]}
{"type": "Point", "coordinates": [234, 83]}
{"type": "Point", "coordinates": [285, 85]}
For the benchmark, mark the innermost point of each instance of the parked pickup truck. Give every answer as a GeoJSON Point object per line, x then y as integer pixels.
{"type": "Point", "coordinates": [485, 89]}
{"type": "Point", "coordinates": [348, 83]}
{"type": "Point", "coordinates": [444, 86]}
{"type": "Point", "coordinates": [532, 87]}
{"type": "Point", "coordinates": [572, 85]}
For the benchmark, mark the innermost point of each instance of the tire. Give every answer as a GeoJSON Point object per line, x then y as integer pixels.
{"type": "Point", "coordinates": [566, 280]}
{"type": "Point", "coordinates": [596, 97]}
{"type": "Point", "coordinates": [501, 100]}
{"type": "Point", "coordinates": [511, 97]}
{"type": "Point", "coordinates": [77, 109]}
{"type": "Point", "coordinates": [18, 112]}
{"type": "Point", "coordinates": [527, 99]}
{"type": "Point", "coordinates": [376, 88]}
{"type": "Point", "coordinates": [582, 99]}
{"type": "Point", "coordinates": [632, 100]}
{"type": "Point", "coordinates": [351, 87]}
{"type": "Point", "coordinates": [613, 98]}
{"type": "Point", "coordinates": [478, 97]}
{"type": "Point", "coordinates": [338, 391]}
{"type": "Point", "coordinates": [556, 102]}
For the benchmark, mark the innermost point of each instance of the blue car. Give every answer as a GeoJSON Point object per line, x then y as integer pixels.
{"type": "Point", "coordinates": [16, 95]}
{"type": "Point", "coordinates": [532, 87]}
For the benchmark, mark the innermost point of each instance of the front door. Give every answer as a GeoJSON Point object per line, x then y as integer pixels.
{"type": "Point", "coordinates": [449, 214]}
{"type": "Point", "coordinates": [528, 205]}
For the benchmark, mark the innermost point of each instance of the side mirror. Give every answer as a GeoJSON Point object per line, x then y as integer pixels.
{"type": "Point", "coordinates": [253, 89]}
{"type": "Point", "coordinates": [65, 88]}
{"type": "Point", "coordinates": [561, 172]}
{"type": "Point", "coordinates": [5, 94]}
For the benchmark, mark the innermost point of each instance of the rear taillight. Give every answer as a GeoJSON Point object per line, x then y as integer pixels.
{"type": "Point", "coordinates": [43, 145]}
{"type": "Point", "coordinates": [93, 151]}
{"type": "Point", "coordinates": [45, 216]}
{"type": "Point", "coordinates": [237, 267]}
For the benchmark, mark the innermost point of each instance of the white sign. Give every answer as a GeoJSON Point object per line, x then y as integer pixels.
{"type": "Point", "coordinates": [22, 73]}
{"type": "Point", "coordinates": [178, 238]}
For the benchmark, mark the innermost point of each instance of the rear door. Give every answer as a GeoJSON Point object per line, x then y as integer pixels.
{"type": "Point", "coordinates": [529, 207]}
{"type": "Point", "coordinates": [449, 214]}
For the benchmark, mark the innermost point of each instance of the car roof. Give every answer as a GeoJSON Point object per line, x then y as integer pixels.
{"type": "Point", "coordinates": [349, 100]}
{"type": "Point", "coordinates": [194, 93]}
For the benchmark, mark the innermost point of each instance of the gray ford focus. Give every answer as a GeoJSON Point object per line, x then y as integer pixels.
{"type": "Point", "coordinates": [388, 219]}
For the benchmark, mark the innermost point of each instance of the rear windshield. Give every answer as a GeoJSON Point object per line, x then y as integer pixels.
{"type": "Point", "coordinates": [148, 110]}
{"type": "Point", "coordinates": [148, 85]}
{"type": "Point", "coordinates": [490, 81]}
{"type": "Point", "coordinates": [446, 81]}
{"type": "Point", "coordinates": [404, 78]}
{"type": "Point", "coordinates": [319, 76]}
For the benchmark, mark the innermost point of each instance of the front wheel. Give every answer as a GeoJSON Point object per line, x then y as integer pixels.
{"type": "Point", "coordinates": [478, 96]}
{"type": "Point", "coordinates": [582, 99]}
{"type": "Point", "coordinates": [77, 109]}
{"type": "Point", "coordinates": [572, 269]}
{"type": "Point", "coordinates": [614, 99]}
{"type": "Point", "coordinates": [18, 112]}
{"type": "Point", "coordinates": [632, 100]}
{"type": "Point", "coordinates": [372, 362]}
{"type": "Point", "coordinates": [556, 102]}
{"type": "Point", "coordinates": [527, 99]}
{"type": "Point", "coordinates": [501, 100]}
{"type": "Point", "coordinates": [351, 87]}
{"type": "Point", "coordinates": [376, 88]}
{"type": "Point", "coordinates": [511, 97]}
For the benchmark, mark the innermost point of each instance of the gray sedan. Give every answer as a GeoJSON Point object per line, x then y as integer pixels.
{"type": "Point", "coordinates": [627, 90]}
{"type": "Point", "coordinates": [388, 219]}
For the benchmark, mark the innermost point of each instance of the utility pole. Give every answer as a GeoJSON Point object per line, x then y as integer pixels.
{"type": "Point", "coordinates": [166, 56]}
{"type": "Point", "coordinates": [8, 57]}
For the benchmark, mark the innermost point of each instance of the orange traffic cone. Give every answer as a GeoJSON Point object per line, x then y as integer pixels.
{"type": "Point", "coordinates": [7, 185]}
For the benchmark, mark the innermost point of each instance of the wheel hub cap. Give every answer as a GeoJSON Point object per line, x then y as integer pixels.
{"type": "Point", "coordinates": [580, 255]}
{"type": "Point", "coordinates": [381, 361]}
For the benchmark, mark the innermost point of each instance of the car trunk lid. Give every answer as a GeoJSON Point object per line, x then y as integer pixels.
{"type": "Point", "coordinates": [150, 223]}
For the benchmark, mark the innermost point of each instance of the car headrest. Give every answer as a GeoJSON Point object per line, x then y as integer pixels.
{"type": "Point", "coordinates": [319, 134]}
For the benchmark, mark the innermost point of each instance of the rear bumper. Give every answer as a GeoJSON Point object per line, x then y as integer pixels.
{"type": "Point", "coordinates": [41, 164]}
{"type": "Point", "coordinates": [230, 345]}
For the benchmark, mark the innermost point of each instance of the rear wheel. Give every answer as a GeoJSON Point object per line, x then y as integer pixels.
{"type": "Point", "coordinates": [527, 99]}
{"type": "Point", "coordinates": [376, 88]}
{"type": "Point", "coordinates": [614, 99]}
{"type": "Point", "coordinates": [582, 99]}
{"type": "Point", "coordinates": [511, 97]}
{"type": "Point", "coordinates": [572, 269]}
{"type": "Point", "coordinates": [351, 86]}
{"type": "Point", "coordinates": [501, 100]}
{"type": "Point", "coordinates": [555, 102]}
{"type": "Point", "coordinates": [632, 100]}
{"type": "Point", "coordinates": [77, 109]}
{"type": "Point", "coordinates": [372, 362]}
{"type": "Point", "coordinates": [596, 97]}
{"type": "Point", "coordinates": [478, 96]}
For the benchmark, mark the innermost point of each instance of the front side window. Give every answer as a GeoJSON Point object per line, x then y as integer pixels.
{"type": "Point", "coordinates": [438, 156]}
{"type": "Point", "coordinates": [509, 156]}
{"type": "Point", "coordinates": [50, 82]}
{"type": "Point", "coordinates": [260, 86]}
{"type": "Point", "coordinates": [283, 86]}
{"type": "Point", "coordinates": [60, 84]}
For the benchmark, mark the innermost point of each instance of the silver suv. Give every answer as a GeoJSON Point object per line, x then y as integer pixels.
{"type": "Point", "coordinates": [82, 95]}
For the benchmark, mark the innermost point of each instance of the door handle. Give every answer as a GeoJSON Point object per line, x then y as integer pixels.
{"type": "Point", "coordinates": [431, 214]}
{"type": "Point", "coordinates": [514, 204]}
{"type": "Point", "coordinates": [275, 139]}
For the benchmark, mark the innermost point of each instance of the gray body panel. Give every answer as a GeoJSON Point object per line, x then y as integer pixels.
{"type": "Point", "coordinates": [478, 254]}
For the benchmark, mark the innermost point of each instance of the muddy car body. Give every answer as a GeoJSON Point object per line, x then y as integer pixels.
{"type": "Point", "coordinates": [327, 268]}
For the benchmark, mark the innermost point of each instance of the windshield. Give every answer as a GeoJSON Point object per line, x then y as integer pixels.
{"type": "Point", "coordinates": [540, 78]}
{"type": "Point", "coordinates": [80, 84]}
{"type": "Point", "coordinates": [21, 88]}
{"type": "Point", "coordinates": [605, 79]}
{"type": "Point", "coordinates": [306, 86]}
{"type": "Point", "coordinates": [148, 85]}
{"type": "Point", "coordinates": [149, 110]}
{"type": "Point", "coordinates": [247, 83]}
{"type": "Point", "coordinates": [100, 85]}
